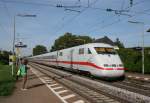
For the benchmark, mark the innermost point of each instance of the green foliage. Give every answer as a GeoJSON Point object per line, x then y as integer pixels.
{"type": "Point", "coordinates": [4, 57]}
{"type": "Point", "coordinates": [7, 81]}
{"type": "Point", "coordinates": [39, 49]}
{"type": "Point", "coordinates": [70, 40]}
{"type": "Point", "coordinates": [132, 60]}
{"type": "Point", "coordinates": [119, 43]}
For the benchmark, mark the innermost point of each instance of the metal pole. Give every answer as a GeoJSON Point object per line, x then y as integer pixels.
{"type": "Point", "coordinates": [142, 52]}
{"type": "Point", "coordinates": [143, 49]}
{"type": "Point", "coordinates": [14, 36]}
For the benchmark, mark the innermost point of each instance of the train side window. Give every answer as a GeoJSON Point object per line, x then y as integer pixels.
{"type": "Point", "coordinates": [60, 54]}
{"type": "Point", "coordinates": [89, 51]}
{"type": "Point", "coordinates": [81, 51]}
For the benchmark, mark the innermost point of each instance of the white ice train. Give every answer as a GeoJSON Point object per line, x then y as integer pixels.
{"type": "Point", "coordinates": [98, 59]}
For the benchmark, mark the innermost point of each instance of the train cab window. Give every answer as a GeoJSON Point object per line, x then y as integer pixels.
{"type": "Point", "coordinates": [81, 51]}
{"type": "Point", "coordinates": [103, 50]}
{"type": "Point", "coordinates": [89, 51]}
{"type": "Point", "coordinates": [60, 54]}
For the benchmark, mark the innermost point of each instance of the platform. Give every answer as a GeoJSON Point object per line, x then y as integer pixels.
{"type": "Point", "coordinates": [37, 92]}
{"type": "Point", "coordinates": [138, 76]}
{"type": "Point", "coordinates": [41, 89]}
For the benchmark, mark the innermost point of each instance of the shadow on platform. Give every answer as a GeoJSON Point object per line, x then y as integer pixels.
{"type": "Point", "coordinates": [35, 85]}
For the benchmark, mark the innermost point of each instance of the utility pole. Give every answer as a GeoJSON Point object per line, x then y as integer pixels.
{"type": "Point", "coordinates": [14, 36]}
{"type": "Point", "coordinates": [143, 66]}
{"type": "Point", "coordinates": [142, 23]}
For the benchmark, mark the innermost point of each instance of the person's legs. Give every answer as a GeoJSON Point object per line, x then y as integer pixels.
{"type": "Point", "coordinates": [17, 77]}
{"type": "Point", "coordinates": [24, 82]}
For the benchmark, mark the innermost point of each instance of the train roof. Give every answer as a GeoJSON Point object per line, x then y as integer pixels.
{"type": "Point", "coordinates": [91, 45]}
{"type": "Point", "coordinates": [84, 45]}
{"type": "Point", "coordinates": [97, 44]}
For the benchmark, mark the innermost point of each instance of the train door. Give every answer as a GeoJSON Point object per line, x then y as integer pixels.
{"type": "Point", "coordinates": [71, 58]}
{"type": "Point", "coordinates": [57, 64]}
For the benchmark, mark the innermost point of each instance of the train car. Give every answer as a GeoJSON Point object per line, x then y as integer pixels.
{"type": "Point", "coordinates": [97, 59]}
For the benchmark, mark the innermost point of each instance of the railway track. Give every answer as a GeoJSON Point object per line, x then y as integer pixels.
{"type": "Point", "coordinates": [141, 87]}
{"type": "Point", "coordinates": [133, 86]}
{"type": "Point", "coordinates": [140, 95]}
{"type": "Point", "coordinates": [87, 92]}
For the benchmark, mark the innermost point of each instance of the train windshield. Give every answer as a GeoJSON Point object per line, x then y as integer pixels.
{"type": "Point", "coordinates": [103, 50]}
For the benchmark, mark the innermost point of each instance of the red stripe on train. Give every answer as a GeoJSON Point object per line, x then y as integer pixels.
{"type": "Point", "coordinates": [88, 64]}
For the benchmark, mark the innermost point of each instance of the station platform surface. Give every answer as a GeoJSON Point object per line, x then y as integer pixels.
{"type": "Point", "coordinates": [41, 89]}
{"type": "Point", "coordinates": [36, 92]}
{"type": "Point", "coordinates": [140, 76]}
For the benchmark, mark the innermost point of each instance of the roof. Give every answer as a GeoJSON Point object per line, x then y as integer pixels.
{"type": "Point", "coordinates": [106, 40]}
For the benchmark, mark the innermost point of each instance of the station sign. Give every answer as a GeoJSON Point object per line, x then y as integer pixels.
{"type": "Point", "coordinates": [20, 45]}
{"type": "Point", "coordinates": [12, 58]}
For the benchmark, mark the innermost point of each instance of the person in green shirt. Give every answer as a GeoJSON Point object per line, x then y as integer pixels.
{"type": "Point", "coordinates": [23, 72]}
{"type": "Point", "coordinates": [19, 62]}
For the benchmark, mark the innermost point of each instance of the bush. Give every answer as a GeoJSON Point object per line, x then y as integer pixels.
{"type": "Point", "coordinates": [132, 60]}
{"type": "Point", "coordinates": [7, 81]}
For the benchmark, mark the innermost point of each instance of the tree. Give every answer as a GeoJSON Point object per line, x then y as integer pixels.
{"type": "Point", "coordinates": [39, 49]}
{"type": "Point", "coordinates": [119, 43]}
{"type": "Point", "coordinates": [4, 56]}
{"type": "Point", "coordinates": [69, 40]}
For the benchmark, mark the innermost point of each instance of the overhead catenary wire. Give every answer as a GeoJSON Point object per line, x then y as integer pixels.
{"type": "Point", "coordinates": [137, 3]}
{"type": "Point", "coordinates": [6, 8]}
{"type": "Point", "coordinates": [52, 5]}
{"type": "Point", "coordinates": [115, 22]}
{"type": "Point", "coordinates": [8, 15]}
{"type": "Point", "coordinates": [43, 4]}
{"type": "Point", "coordinates": [70, 20]}
{"type": "Point", "coordinates": [107, 25]}
{"type": "Point", "coordinates": [30, 3]}
{"type": "Point", "coordinates": [74, 17]}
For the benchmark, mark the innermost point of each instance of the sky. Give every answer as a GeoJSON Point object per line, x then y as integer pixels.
{"type": "Point", "coordinates": [80, 17]}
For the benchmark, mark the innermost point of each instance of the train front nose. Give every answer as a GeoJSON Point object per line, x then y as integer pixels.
{"type": "Point", "coordinates": [108, 73]}
{"type": "Point", "coordinates": [111, 66]}
{"type": "Point", "coordinates": [113, 73]}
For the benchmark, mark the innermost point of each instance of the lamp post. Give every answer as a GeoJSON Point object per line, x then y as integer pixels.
{"type": "Point", "coordinates": [142, 23]}
{"type": "Point", "coordinates": [14, 34]}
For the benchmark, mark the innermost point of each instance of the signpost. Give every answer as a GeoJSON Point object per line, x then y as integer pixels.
{"type": "Point", "coordinates": [18, 47]}
{"type": "Point", "coordinates": [12, 59]}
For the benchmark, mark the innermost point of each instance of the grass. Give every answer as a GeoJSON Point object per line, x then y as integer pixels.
{"type": "Point", "coordinates": [7, 81]}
